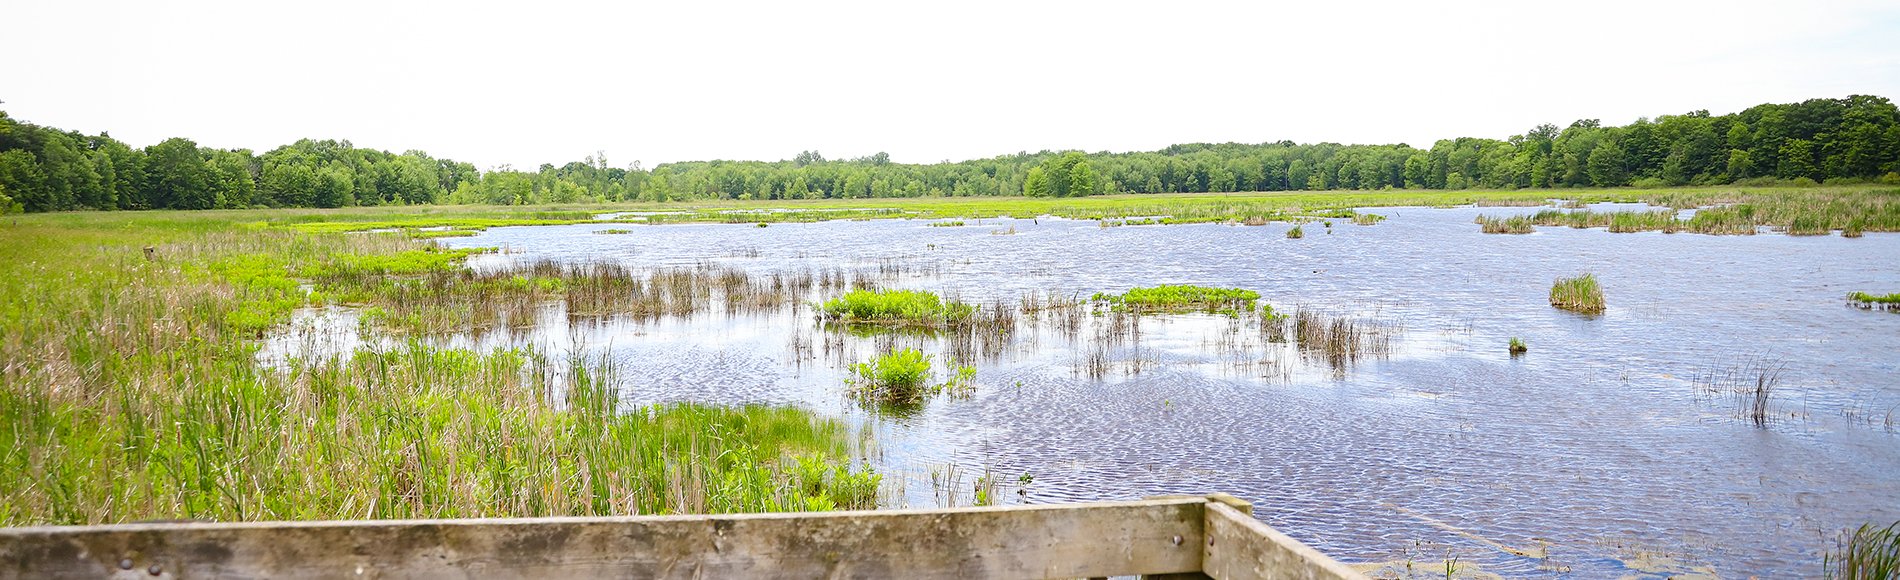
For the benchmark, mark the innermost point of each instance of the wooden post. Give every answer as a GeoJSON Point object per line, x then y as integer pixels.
{"type": "Point", "coordinates": [150, 253]}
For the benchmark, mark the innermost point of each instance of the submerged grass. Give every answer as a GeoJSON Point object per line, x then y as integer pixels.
{"type": "Point", "coordinates": [131, 391]}
{"type": "Point", "coordinates": [1579, 294]}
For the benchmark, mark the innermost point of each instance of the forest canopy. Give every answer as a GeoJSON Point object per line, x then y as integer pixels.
{"type": "Point", "coordinates": [1819, 140]}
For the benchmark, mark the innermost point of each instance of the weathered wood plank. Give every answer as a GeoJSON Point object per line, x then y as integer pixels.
{"type": "Point", "coordinates": [1240, 547]}
{"type": "Point", "coordinates": [1070, 540]}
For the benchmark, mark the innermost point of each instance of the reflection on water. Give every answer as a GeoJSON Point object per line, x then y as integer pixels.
{"type": "Point", "coordinates": [1591, 455]}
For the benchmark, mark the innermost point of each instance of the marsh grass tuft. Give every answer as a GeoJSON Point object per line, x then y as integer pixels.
{"type": "Point", "coordinates": [1579, 294]}
{"type": "Point", "coordinates": [1517, 346]}
{"type": "Point", "coordinates": [1509, 225]}
{"type": "Point", "coordinates": [1179, 298]}
{"type": "Point", "coordinates": [1865, 301]}
{"type": "Point", "coordinates": [896, 308]}
{"type": "Point", "coordinates": [1296, 233]}
{"type": "Point", "coordinates": [1870, 553]}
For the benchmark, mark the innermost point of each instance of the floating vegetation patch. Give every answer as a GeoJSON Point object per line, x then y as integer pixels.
{"type": "Point", "coordinates": [896, 308]}
{"type": "Point", "coordinates": [1180, 298]}
{"type": "Point", "coordinates": [1366, 219]}
{"type": "Point", "coordinates": [904, 378]}
{"type": "Point", "coordinates": [1340, 341]}
{"type": "Point", "coordinates": [1517, 346]}
{"type": "Point", "coordinates": [1296, 233]}
{"type": "Point", "coordinates": [1579, 294]}
{"type": "Point", "coordinates": [1865, 301]}
{"type": "Point", "coordinates": [613, 231]}
{"type": "Point", "coordinates": [948, 224]}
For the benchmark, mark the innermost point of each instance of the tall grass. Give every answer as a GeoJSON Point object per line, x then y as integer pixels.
{"type": "Point", "coordinates": [130, 391]}
{"type": "Point", "coordinates": [1874, 301]}
{"type": "Point", "coordinates": [1579, 294]}
{"type": "Point", "coordinates": [1870, 553]}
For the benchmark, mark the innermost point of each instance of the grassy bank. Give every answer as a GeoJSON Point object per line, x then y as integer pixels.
{"type": "Point", "coordinates": [131, 392]}
{"type": "Point", "coordinates": [1848, 208]}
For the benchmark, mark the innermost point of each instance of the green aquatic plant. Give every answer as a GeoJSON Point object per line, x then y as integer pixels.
{"type": "Point", "coordinates": [1176, 298]}
{"type": "Point", "coordinates": [1579, 294]}
{"type": "Point", "coordinates": [1509, 225]}
{"type": "Point", "coordinates": [1874, 301]}
{"type": "Point", "coordinates": [1517, 346]}
{"type": "Point", "coordinates": [1296, 233]}
{"type": "Point", "coordinates": [613, 231]}
{"type": "Point", "coordinates": [904, 377]}
{"type": "Point", "coordinates": [1870, 553]}
{"type": "Point", "coordinates": [896, 308]}
{"type": "Point", "coordinates": [1366, 219]}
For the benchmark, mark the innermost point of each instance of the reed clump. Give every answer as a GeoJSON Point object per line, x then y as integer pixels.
{"type": "Point", "coordinates": [1296, 233]}
{"type": "Point", "coordinates": [1579, 294]}
{"type": "Point", "coordinates": [1517, 346]}
{"type": "Point", "coordinates": [1505, 225]}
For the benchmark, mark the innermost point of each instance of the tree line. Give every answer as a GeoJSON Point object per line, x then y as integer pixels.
{"type": "Point", "coordinates": [1818, 140]}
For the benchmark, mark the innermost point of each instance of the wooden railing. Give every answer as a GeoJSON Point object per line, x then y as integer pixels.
{"type": "Point", "coordinates": [1170, 537]}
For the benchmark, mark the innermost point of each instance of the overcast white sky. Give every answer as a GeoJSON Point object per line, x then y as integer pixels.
{"type": "Point", "coordinates": [526, 83]}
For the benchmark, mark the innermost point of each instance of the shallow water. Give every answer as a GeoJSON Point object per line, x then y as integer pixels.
{"type": "Point", "coordinates": [1592, 455]}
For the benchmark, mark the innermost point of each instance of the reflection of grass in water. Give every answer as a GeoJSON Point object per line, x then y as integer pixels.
{"type": "Point", "coordinates": [133, 393]}
{"type": "Point", "coordinates": [1579, 294]}
{"type": "Point", "coordinates": [1870, 553]}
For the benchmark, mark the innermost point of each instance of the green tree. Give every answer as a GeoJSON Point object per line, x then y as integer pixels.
{"type": "Point", "coordinates": [177, 175]}
{"type": "Point", "coordinates": [1082, 180]}
{"type": "Point", "coordinates": [1605, 165]}
{"type": "Point", "coordinates": [1036, 184]}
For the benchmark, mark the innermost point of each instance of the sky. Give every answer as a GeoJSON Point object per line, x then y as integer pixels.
{"type": "Point", "coordinates": [526, 83]}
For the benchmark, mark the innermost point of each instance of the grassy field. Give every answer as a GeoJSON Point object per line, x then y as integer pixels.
{"type": "Point", "coordinates": [132, 392]}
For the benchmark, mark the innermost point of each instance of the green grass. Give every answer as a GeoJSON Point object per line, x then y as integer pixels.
{"type": "Point", "coordinates": [1579, 294]}
{"type": "Point", "coordinates": [1510, 225]}
{"type": "Point", "coordinates": [896, 308]}
{"type": "Point", "coordinates": [1870, 553]}
{"type": "Point", "coordinates": [132, 392]}
{"type": "Point", "coordinates": [1874, 301]}
{"type": "Point", "coordinates": [1517, 346]}
{"type": "Point", "coordinates": [1180, 298]}
{"type": "Point", "coordinates": [902, 378]}
{"type": "Point", "coordinates": [1296, 233]}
